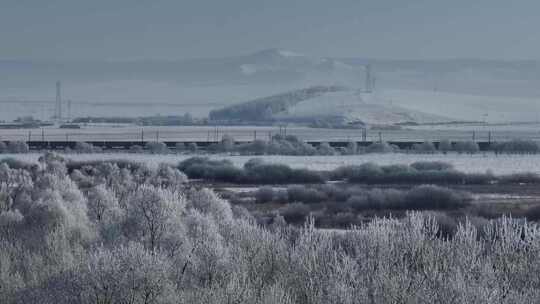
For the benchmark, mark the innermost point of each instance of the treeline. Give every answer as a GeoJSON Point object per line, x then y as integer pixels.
{"type": "Point", "coordinates": [106, 233]}
{"type": "Point", "coordinates": [257, 171]}
{"type": "Point", "coordinates": [14, 147]}
{"type": "Point", "coordinates": [263, 109]}
{"type": "Point", "coordinates": [169, 120]}
{"type": "Point", "coordinates": [291, 145]}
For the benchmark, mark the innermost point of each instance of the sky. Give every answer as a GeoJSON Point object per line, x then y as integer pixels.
{"type": "Point", "coordinates": [182, 29]}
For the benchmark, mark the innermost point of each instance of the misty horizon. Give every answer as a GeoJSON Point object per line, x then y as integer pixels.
{"type": "Point", "coordinates": [184, 30]}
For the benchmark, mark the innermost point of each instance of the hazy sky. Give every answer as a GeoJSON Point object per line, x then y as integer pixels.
{"type": "Point", "coordinates": [178, 29]}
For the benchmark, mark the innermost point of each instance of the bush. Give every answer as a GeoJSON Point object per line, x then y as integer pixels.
{"type": "Point", "coordinates": [372, 174]}
{"type": "Point", "coordinates": [435, 165]}
{"type": "Point", "coordinates": [377, 199]}
{"type": "Point", "coordinates": [520, 178]}
{"type": "Point", "coordinates": [120, 163]}
{"type": "Point", "coordinates": [338, 194]}
{"type": "Point", "coordinates": [379, 148]}
{"type": "Point", "coordinates": [352, 148]}
{"type": "Point", "coordinates": [307, 176]}
{"type": "Point", "coordinates": [447, 225]}
{"type": "Point", "coordinates": [227, 143]}
{"type": "Point", "coordinates": [252, 163]}
{"type": "Point", "coordinates": [425, 147]}
{"type": "Point", "coordinates": [180, 147]}
{"type": "Point", "coordinates": [305, 195]}
{"type": "Point", "coordinates": [157, 148]}
{"type": "Point", "coordinates": [445, 146]}
{"type": "Point", "coordinates": [264, 195]}
{"type": "Point", "coordinates": [281, 145]}
{"type": "Point", "coordinates": [470, 147]}
{"type": "Point", "coordinates": [533, 213]}
{"type": "Point", "coordinates": [16, 164]}
{"type": "Point", "coordinates": [17, 147]}
{"type": "Point", "coordinates": [270, 174]}
{"type": "Point", "coordinates": [136, 149]}
{"type": "Point", "coordinates": [434, 197]}
{"type": "Point", "coordinates": [192, 147]}
{"type": "Point", "coordinates": [255, 172]}
{"type": "Point", "coordinates": [202, 167]}
{"type": "Point", "coordinates": [295, 212]}
{"type": "Point", "coordinates": [516, 146]}
{"type": "Point", "coordinates": [364, 172]}
{"type": "Point", "coordinates": [325, 149]}
{"type": "Point", "coordinates": [257, 147]}
{"type": "Point", "coordinates": [83, 147]}
{"type": "Point", "coordinates": [425, 197]}
{"type": "Point", "coordinates": [260, 172]}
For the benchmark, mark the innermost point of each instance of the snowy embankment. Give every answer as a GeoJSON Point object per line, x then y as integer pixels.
{"type": "Point", "coordinates": [478, 163]}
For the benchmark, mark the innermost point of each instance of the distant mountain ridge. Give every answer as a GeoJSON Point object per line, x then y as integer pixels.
{"type": "Point", "coordinates": [267, 66]}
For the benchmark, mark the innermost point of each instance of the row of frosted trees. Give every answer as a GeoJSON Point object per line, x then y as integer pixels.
{"type": "Point", "coordinates": [125, 233]}
{"type": "Point", "coordinates": [291, 145]}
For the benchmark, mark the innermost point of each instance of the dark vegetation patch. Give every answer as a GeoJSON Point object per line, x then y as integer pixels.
{"type": "Point", "coordinates": [254, 171]}
{"type": "Point", "coordinates": [439, 173]}
{"type": "Point", "coordinates": [345, 205]}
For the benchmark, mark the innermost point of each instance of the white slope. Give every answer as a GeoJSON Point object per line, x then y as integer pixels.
{"type": "Point", "coordinates": [491, 109]}
{"type": "Point", "coordinates": [355, 106]}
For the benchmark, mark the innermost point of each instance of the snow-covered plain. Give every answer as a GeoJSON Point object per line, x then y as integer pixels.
{"type": "Point", "coordinates": [478, 163]}
{"type": "Point", "coordinates": [464, 106]}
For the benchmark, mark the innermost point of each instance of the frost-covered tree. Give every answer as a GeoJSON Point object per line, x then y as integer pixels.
{"type": "Point", "coordinates": [168, 177]}
{"type": "Point", "coordinates": [445, 146]}
{"type": "Point", "coordinates": [227, 143]}
{"type": "Point", "coordinates": [3, 147]}
{"type": "Point", "coordinates": [157, 148]}
{"type": "Point", "coordinates": [190, 246]}
{"type": "Point", "coordinates": [17, 147]}
{"type": "Point", "coordinates": [102, 203]}
{"type": "Point", "coordinates": [153, 215]}
{"type": "Point", "coordinates": [326, 149]}
{"type": "Point", "coordinates": [352, 148]}
{"type": "Point", "coordinates": [126, 274]}
{"type": "Point", "coordinates": [207, 202]}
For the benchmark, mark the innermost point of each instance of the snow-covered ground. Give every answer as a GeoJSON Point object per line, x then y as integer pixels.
{"type": "Point", "coordinates": [464, 106]}
{"type": "Point", "coordinates": [478, 163]}
{"type": "Point", "coordinates": [356, 106]}
{"type": "Point", "coordinates": [247, 133]}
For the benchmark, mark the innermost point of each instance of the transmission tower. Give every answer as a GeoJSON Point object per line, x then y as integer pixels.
{"type": "Point", "coordinates": [58, 106]}
{"type": "Point", "coordinates": [369, 80]}
{"type": "Point", "coordinates": [69, 110]}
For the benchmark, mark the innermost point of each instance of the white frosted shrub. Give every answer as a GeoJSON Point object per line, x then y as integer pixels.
{"type": "Point", "coordinates": [153, 213]}
{"type": "Point", "coordinates": [207, 202]}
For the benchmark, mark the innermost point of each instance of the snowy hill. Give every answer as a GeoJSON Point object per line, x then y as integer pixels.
{"type": "Point", "coordinates": [337, 106]}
